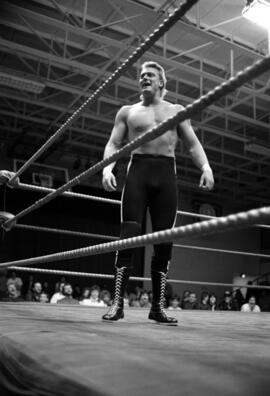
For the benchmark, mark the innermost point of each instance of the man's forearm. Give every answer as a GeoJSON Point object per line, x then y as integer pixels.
{"type": "Point", "coordinates": [110, 149]}
{"type": "Point", "coordinates": [199, 157]}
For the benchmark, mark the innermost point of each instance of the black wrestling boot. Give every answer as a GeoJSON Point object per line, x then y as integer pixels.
{"type": "Point", "coordinates": [157, 311]}
{"type": "Point", "coordinates": [116, 311]}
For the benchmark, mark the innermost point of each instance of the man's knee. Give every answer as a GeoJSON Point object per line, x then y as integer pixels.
{"type": "Point", "coordinates": [161, 257]}
{"type": "Point", "coordinates": [129, 229]}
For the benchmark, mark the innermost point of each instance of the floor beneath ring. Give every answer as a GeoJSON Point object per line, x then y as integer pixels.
{"type": "Point", "coordinates": [67, 350]}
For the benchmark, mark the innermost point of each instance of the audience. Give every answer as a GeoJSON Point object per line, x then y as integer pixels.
{"type": "Point", "coordinates": [213, 306]}
{"type": "Point", "coordinates": [228, 303]}
{"type": "Point", "coordinates": [58, 295]}
{"type": "Point", "coordinates": [14, 279]}
{"type": "Point", "coordinates": [204, 302]}
{"type": "Point", "coordinates": [11, 290]}
{"type": "Point", "coordinates": [251, 306]}
{"type": "Point", "coordinates": [174, 303]}
{"type": "Point", "coordinates": [93, 298]}
{"type": "Point", "coordinates": [191, 302]}
{"type": "Point", "coordinates": [67, 292]}
{"type": "Point", "coordinates": [144, 300]}
{"type": "Point", "coordinates": [13, 294]}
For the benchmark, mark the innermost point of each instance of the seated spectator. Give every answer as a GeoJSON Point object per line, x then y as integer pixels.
{"type": "Point", "coordinates": [44, 297]}
{"type": "Point", "coordinates": [58, 295]}
{"type": "Point", "coordinates": [67, 292]}
{"type": "Point", "coordinates": [16, 280]}
{"type": "Point", "coordinates": [85, 293]}
{"type": "Point", "coordinates": [13, 295]}
{"type": "Point", "coordinates": [213, 302]}
{"type": "Point", "coordinates": [94, 298]}
{"type": "Point", "coordinates": [77, 292]}
{"type": "Point", "coordinates": [144, 300]}
{"type": "Point", "coordinates": [174, 303]}
{"type": "Point", "coordinates": [106, 297]}
{"type": "Point", "coordinates": [191, 303]}
{"type": "Point", "coordinates": [46, 288]}
{"type": "Point", "coordinates": [133, 300]}
{"type": "Point", "coordinates": [251, 306]}
{"type": "Point", "coordinates": [204, 302]}
{"type": "Point", "coordinates": [35, 292]}
{"type": "Point", "coordinates": [228, 303]}
{"type": "Point", "coordinates": [185, 298]}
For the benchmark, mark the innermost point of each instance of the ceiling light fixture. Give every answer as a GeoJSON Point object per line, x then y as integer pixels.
{"type": "Point", "coordinates": [258, 11]}
{"type": "Point", "coordinates": [258, 149]}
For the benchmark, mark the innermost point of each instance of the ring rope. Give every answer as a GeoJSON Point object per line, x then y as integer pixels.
{"type": "Point", "coordinates": [136, 54]}
{"type": "Point", "coordinates": [70, 194]}
{"type": "Point", "coordinates": [91, 235]}
{"type": "Point", "coordinates": [197, 106]}
{"type": "Point", "coordinates": [132, 278]}
{"type": "Point", "coordinates": [65, 232]}
{"type": "Point", "coordinates": [207, 249]}
{"type": "Point", "coordinates": [231, 222]}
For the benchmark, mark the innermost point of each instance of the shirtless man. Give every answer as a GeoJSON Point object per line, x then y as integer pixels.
{"type": "Point", "coordinates": [151, 183]}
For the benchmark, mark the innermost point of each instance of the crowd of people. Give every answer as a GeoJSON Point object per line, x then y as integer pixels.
{"type": "Point", "coordinates": [11, 289]}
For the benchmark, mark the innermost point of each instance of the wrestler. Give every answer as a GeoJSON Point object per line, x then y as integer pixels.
{"type": "Point", "coordinates": [151, 183]}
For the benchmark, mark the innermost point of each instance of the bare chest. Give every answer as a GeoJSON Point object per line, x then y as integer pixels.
{"type": "Point", "coordinates": [142, 119]}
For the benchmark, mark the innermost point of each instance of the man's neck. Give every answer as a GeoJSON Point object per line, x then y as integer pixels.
{"type": "Point", "coordinates": [149, 100]}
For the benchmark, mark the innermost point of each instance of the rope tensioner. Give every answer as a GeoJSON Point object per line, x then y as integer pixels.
{"type": "Point", "coordinates": [136, 54]}
{"type": "Point", "coordinates": [132, 278]}
{"type": "Point", "coordinates": [234, 221]}
{"type": "Point", "coordinates": [197, 106]}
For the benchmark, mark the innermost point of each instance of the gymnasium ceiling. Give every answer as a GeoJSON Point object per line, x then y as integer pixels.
{"type": "Point", "coordinates": [71, 46]}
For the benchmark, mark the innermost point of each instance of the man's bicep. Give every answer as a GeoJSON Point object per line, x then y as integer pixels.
{"type": "Point", "coordinates": [187, 133]}
{"type": "Point", "coordinates": [119, 129]}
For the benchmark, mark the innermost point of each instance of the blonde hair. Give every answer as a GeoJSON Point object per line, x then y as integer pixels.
{"type": "Point", "coordinates": [161, 73]}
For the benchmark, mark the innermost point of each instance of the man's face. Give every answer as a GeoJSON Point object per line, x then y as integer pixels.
{"type": "Point", "coordinates": [68, 290]}
{"type": "Point", "coordinates": [149, 80]}
{"type": "Point", "coordinates": [252, 301]}
{"type": "Point", "coordinates": [37, 287]}
{"type": "Point", "coordinates": [192, 297]}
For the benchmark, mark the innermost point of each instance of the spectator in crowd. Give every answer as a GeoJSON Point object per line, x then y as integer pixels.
{"type": "Point", "coordinates": [239, 298]}
{"type": "Point", "coordinates": [251, 305]}
{"type": "Point", "coordinates": [62, 280]}
{"type": "Point", "coordinates": [191, 303]}
{"type": "Point", "coordinates": [46, 288]}
{"type": "Point", "coordinates": [185, 298]}
{"type": "Point", "coordinates": [204, 302]}
{"type": "Point", "coordinates": [77, 292]}
{"type": "Point", "coordinates": [94, 298]}
{"type": "Point", "coordinates": [174, 303]}
{"type": "Point", "coordinates": [68, 298]}
{"type": "Point", "coordinates": [44, 297]}
{"type": "Point", "coordinates": [228, 303]}
{"type": "Point", "coordinates": [16, 280]}
{"type": "Point", "coordinates": [85, 293]}
{"type": "Point", "coordinates": [213, 306]}
{"type": "Point", "coordinates": [105, 296]}
{"type": "Point", "coordinates": [13, 294]}
{"type": "Point", "coordinates": [34, 295]}
{"type": "Point", "coordinates": [58, 295]}
{"type": "Point", "coordinates": [133, 300]}
{"type": "Point", "coordinates": [29, 287]}
{"type": "Point", "coordinates": [3, 283]}
{"type": "Point", "coordinates": [144, 300]}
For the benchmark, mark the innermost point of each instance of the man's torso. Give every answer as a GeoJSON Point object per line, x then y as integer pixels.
{"type": "Point", "coordinates": [141, 119]}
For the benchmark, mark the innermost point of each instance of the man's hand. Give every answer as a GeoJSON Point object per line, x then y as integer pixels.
{"type": "Point", "coordinates": [207, 180]}
{"type": "Point", "coordinates": [109, 180]}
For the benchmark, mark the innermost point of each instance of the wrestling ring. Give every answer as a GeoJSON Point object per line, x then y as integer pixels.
{"type": "Point", "coordinates": [67, 350]}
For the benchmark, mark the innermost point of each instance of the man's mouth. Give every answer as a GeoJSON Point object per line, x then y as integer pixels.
{"type": "Point", "coordinates": [146, 84]}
